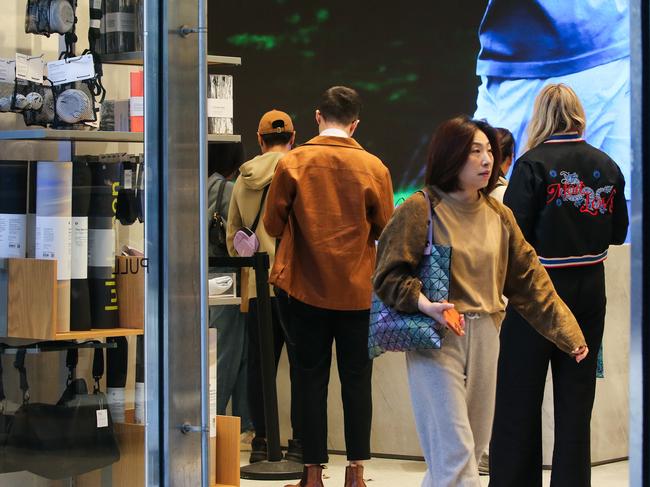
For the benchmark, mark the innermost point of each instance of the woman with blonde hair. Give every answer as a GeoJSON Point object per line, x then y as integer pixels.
{"type": "Point", "coordinates": [568, 199]}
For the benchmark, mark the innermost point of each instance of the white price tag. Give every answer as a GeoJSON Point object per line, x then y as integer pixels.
{"type": "Point", "coordinates": [29, 68]}
{"type": "Point", "coordinates": [102, 418]}
{"type": "Point", "coordinates": [220, 108]}
{"type": "Point", "coordinates": [71, 69]}
{"type": "Point", "coordinates": [128, 179]}
{"type": "Point", "coordinates": [79, 247]}
{"type": "Point", "coordinates": [136, 107]}
{"type": "Point", "coordinates": [8, 70]}
{"type": "Point", "coordinates": [53, 241]}
{"type": "Point", "coordinates": [13, 235]}
{"type": "Point", "coordinates": [22, 66]}
{"type": "Point", "coordinates": [119, 22]}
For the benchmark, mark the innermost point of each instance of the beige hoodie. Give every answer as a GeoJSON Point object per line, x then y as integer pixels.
{"type": "Point", "coordinates": [254, 176]}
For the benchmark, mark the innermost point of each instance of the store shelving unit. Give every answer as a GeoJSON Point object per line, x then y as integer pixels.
{"type": "Point", "coordinates": [136, 58]}
{"type": "Point", "coordinates": [130, 470]}
{"type": "Point", "coordinates": [94, 136]}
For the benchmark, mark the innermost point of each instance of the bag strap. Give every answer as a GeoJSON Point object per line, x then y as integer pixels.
{"type": "Point", "coordinates": [71, 361]}
{"type": "Point", "coordinates": [220, 192]}
{"type": "Point", "coordinates": [98, 368]}
{"type": "Point", "coordinates": [259, 212]}
{"type": "Point", "coordinates": [429, 244]}
{"type": "Point", "coordinates": [19, 365]}
{"type": "Point", "coordinates": [2, 387]}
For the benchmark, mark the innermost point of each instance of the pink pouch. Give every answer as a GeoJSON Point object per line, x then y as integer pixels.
{"type": "Point", "coordinates": [245, 242]}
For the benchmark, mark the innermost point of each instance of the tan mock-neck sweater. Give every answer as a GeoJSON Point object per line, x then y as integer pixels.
{"type": "Point", "coordinates": [478, 240]}
{"type": "Point", "coordinates": [489, 257]}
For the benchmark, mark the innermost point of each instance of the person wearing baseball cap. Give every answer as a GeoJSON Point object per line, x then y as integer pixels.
{"type": "Point", "coordinates": [276, 136]}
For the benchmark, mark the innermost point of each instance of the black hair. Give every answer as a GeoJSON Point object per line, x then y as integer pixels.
{"type": "Point", "coordinates": [506, 142]}
{"type": "Point", "coordinates": [449, 150]}
{"type": "Point", "coordinates": [340, 104]}
{"type": "Point", "coordinates": [276, 138]}
{"type": "Point", "coordinates": [225, 158]}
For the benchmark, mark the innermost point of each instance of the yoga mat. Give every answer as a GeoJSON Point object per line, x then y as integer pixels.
{"type": "Point", "coordinates": [105, 176]}
{"type": "Point", "coordinates": [54, 228]}
{"type": "Point", "coordinates": [31, 209]}
{"type": "Point", "coordinates": [80, 318]}
{"type": "Point", "coordinates": [13, 209]}
{"type": "Point", "coordinates": [116, 370]}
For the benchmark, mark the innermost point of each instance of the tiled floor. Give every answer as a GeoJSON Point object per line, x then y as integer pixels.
{"type": "Point", "coordinates": [400, 473]}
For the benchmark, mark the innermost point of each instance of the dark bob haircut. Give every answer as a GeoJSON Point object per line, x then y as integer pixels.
{"type": "Point", "coordinates": [449, 150]}
{"type": "Point", "coordinates": [340, 104]}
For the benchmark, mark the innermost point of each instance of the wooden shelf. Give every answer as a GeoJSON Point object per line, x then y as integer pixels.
{"type": "Point", "coordinates": [77, 135]}
{"type": "Point", "coordinates": [136, 58]}
{"type": "Point", "coordinates": [97, 136]}
{"type": "Point", "coordinates": [98, 333]}
{"type": "Point", "coordinates": [221, 300]}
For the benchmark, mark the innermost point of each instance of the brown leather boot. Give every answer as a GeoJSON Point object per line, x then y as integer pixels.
{"type": "Point", "coordinates": [354, 476]}
{"type": "Point", "coordinates": [312, 476]}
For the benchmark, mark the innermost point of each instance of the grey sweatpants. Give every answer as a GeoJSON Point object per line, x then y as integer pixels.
{"type": "Point", "coordinates": [452, 392]}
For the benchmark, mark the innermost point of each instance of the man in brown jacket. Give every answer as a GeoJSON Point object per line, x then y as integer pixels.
{"type": "Point", "coordinates": [328, 202]}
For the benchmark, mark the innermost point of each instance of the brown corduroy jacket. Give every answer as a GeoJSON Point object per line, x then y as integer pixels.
{"type": "Point", "coordinates": [329, 201]}
{"type": "Point", "coordinates": [527, 285]}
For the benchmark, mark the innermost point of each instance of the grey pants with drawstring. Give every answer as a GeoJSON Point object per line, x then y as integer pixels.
{"type": "Point", "coordinates": [453, 393]}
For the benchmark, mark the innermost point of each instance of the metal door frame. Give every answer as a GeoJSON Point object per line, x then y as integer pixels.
{"type": "Point", "coordinates": [176, 243]}
{"type": "Point", "coordinates": [640, 334]}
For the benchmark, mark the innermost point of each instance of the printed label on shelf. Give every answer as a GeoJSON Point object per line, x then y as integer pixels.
{"type": "Point", "coordinates": [102, 418]}
{"type": "Point", "coordinates": [29, 68]}
{"type": "Point", "coordinates": [101, 248]}
{"type": "Point", "coordinates": [119, 22]}
{"type": "Point", "coordinates": [13, 235]}
{"type": "Point", "coordinates": [71, 70]}
{"type": "Point", "coordinates": [53, 241]}
{"type": "Point", "coordinates": [220, 108]}
{"type": "Point", "coordinates": [128, 179]}
{"type": "Point", "coordinates": [139, 403]}
{"type": "Point", "coordinates": [116, 403]}
{"type": "Point", "coordinates": [7, 70]}
{"type": "Point", "coordinates": [136, 107]}
{"type": "Point", "coordinates": [79, 247]}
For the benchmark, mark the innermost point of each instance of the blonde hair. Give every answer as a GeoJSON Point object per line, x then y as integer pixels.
{"type": "Point", "coordinates": [557, 109]}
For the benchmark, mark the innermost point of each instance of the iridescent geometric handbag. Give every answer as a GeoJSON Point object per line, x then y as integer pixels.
{"type": "Point", "coordinates": [396, 331]}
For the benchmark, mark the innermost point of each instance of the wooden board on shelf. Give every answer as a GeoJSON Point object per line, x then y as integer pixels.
{"type": "Point", "coordinates": [227, 451]}
{"type": "Point", "coordinates": [30, 310]}
{"type": "Point", "coordinates": [98, 333]}
{"type": "Point", "coordinates": [136, 58]}
{"type": "Point", "coordinates": [77, 135]}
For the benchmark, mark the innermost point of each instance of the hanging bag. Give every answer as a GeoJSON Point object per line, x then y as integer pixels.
{"type": "Point", "coordinates": [245, 240]}
{"type": "Point", "coordinates": [217, 231]}
{"type": "Point", "coordinates": [66, 439]}
{"type": "Point", "coordinates": [396, 331]}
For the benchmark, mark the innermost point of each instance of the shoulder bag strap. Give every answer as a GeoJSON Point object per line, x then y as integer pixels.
{"type": "Point", "coordinates": [222, 188]}
{"type": "Point", "coordinates": [2, 388]}
{"type": "Point", "coordinates": [98, 367]}
{"type": "Point", "coordinates": [259, 212]}
{"type": "Point", "coordinates": [19, 365]}
{"type": "Point", "coordinates": [429, 245]}
{"type": "Point", "coordinates": [71, 361]}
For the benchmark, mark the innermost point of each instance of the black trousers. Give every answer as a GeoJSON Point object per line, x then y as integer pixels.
{"type": "Point", "coordinates": [313, 331]}
{"type": "Point", "coordinates": [516, 446]}
{"type": "Point", "coordinates": [255, 395]}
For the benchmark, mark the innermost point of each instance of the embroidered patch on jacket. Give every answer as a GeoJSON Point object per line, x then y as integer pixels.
{"type": "Point", "coordinates": [572, 189]}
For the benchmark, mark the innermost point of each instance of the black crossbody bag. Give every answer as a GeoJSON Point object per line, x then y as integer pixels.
{"type": "Point", "coordinates": [66, 439]}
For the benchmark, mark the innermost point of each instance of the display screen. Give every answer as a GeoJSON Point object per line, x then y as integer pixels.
{"type": "Point", "coordinates": [415, 65]}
